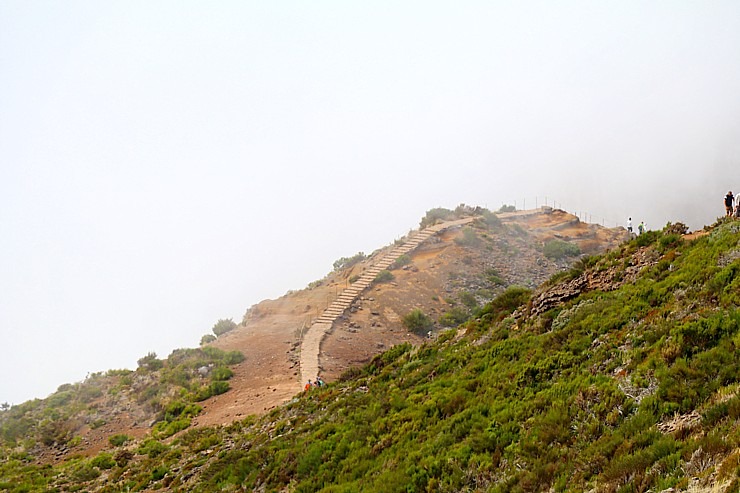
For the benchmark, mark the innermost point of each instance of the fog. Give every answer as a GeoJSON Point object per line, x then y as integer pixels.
{"type": "Point", "coordinates": [166, 164]}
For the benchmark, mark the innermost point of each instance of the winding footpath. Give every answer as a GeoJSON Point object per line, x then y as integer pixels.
{"type": "Point", "coordinates": [311, 343]}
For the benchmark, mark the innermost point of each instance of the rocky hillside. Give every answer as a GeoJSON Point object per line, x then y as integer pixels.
{"type": "Point", "coordinates": [619, 374]}
{"type": "Point", "coordinates": [449, 278]}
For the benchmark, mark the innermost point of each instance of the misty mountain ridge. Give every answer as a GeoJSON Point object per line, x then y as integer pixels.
{"type": "Point", "coordinates": [617, 373]}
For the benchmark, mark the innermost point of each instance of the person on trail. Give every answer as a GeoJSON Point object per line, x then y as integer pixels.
{"type": "Point", "coordinates": [308, 385]}
{"type": "Point", "coordinates": [737, 209]}
{"type": "Point", "coordinates": [641, 227]}
{"type": "Point", "coordinates": [629, 224]}
{"type": "Point", "coordinates": [729, 202]}
{"type": "Point", "coordinates": [319, 381]}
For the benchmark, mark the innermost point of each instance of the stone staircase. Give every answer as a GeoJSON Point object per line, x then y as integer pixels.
{"type": "Point", "coordinates": [311, 343]}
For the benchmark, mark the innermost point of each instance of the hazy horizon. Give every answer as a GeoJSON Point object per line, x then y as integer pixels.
{"type": "Point", "coordinates": [164, 165]}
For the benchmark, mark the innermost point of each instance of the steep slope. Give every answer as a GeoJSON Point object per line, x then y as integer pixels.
{"type": "Point", "coordinates": [462, 260]}
{"type": "Point", "coordinates": [464, 264]}
{"type": "Point", "coordinates": [620, 374]}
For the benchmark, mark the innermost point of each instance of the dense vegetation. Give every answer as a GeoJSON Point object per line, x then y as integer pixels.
{"type": "Point", "coordinates": [163, 391]}
{"type": "Point", "coordinates": [629, 387]}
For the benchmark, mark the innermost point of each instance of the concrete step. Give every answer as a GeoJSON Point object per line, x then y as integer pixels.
{"type": "Point", "coordinates": [339, 305]}
{"type": "Point", "coordinates": [353, 292]}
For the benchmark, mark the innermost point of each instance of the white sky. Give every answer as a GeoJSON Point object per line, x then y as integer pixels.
{"type": "Point", "coordinates": [164, 164]}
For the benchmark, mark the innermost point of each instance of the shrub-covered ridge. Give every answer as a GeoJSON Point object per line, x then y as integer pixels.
{"type": "Point", "coordinates": [625, 385]}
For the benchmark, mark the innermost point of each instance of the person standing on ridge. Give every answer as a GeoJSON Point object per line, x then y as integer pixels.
{"type": "Point", "coordinates": [641, 227]}
{"type": "Point", "coordinates": [629, 225]}
{"type": "Point", "coordinates": [729, 202]}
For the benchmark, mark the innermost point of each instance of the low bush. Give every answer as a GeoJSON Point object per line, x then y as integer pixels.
{"type": "Point", "coordinates": [490, 219]}
{"type": "Point", "coordinates": [435, 215]}
{"type": "Point", "coordinates": [152, 448]}
{"type": "Point", "coordinates": [418, 322]}
{"type": "Point", "coordinates": [103, 460]}
{"type": "Point", "coordinates": [223, 326]}
{"type": "Point", "coordinates": [453, 317]}
{"type": "Point", "coordinates": [400, 262]}
{"type": "Point", "coordinates": [150, 362]}
{"type": "Point", "coordinates": [384, 276]}
{"type": "Point", "coordinates": [559, 249]}
{"type": "Point", "coordinates": [118, 440]}
{"type": "Point", "coordinates": [469, 238]}
{"type": "Point", "coordinates": [468, 299]}
{"type": "Point", "coordinates": [222, 373]}
{"type": "Point", "coordinates": [493, 277]}
{"type": "Point", "coordinates": [347, 262]}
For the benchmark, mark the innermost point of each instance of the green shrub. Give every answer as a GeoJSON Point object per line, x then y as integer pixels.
{"type": "Point", "coordinates": [558, 249]}
{"type": "Point", "coordinates": [222, 373]}
{"type": "Point", "coordinates": [508, 301]}
{"type": "Point", "coordinates": [453, 317]}
{"type": "Point", "coordinates": [207, 339]}
{"type": "Point", "coordinates": [223, 326]}
{"type": "Point", "coordinates": [232, 358]}
{"type": "Point", "coordinates": [400, 262]}
{"type": "Point", "coordinates": [418, 322]}
{"type": "Point", "coordinates": [118, 440]}
{"type": "Point", "coordinates": [354, 278]}
{"type": "Point", "coordinates": [384, 276]}
{"type": "Point", "coordinates": [152, 448]}
{"type": "Point", "coordinates": [159, 472]}
{"type": "Point", "coordinates": [150, 362]}
{"type": "Point", "coordinates": [432, 216]}
{"type": "Point", "coordinates": [84, 473]}
{"type": "Point", "coordinates": [347, 262]}
{"type": "Point", "coordinates": [647, 238]}
{"type": "Point", "coordinates": [103, 460]}
{"type": "Point", "coordinates": [490, 218]}
{"type": "Point", "coordinates": [165, 429]}
{"type": "Point", "coordinates": [315, 284]}
{"type": "Point", "coordinates": [507, 208]}
{"type": "Point", "coordinates": [219, 387]}
{"type": "Point", "coordinates": [493, 276]}
{"type": "Point", "coordinates": [468, 299]}
{"type": "Point", "coordinates": [469, 238]}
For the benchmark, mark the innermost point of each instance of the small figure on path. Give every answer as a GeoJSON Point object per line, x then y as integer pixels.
{"type": "Point", "coordinates": [307, 387]}
{"type": "Point", "coordinates": [729, 202]}
{"type": "Point", "coordinates": [629, 224]}
{"type": "Point", "coordinates": [641, 227]}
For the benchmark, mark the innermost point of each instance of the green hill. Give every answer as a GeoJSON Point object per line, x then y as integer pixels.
{"type": "Point", "coordinates": [618, 375]}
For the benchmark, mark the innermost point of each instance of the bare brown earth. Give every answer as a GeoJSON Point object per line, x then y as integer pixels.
{"type": "Point", "coordinates": [440, 270]}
